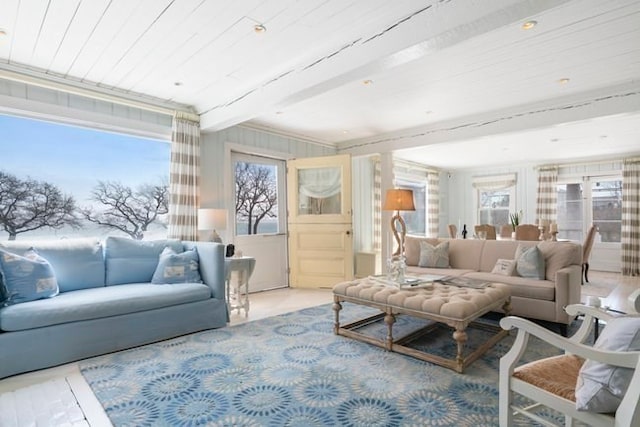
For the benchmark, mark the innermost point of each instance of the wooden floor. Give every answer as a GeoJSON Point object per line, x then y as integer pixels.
{"type": "Point", "coordinates": [274, 302]}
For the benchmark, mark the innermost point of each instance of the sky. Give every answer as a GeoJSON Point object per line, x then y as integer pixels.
{"type": "Point", "coordinates": [75, 158]}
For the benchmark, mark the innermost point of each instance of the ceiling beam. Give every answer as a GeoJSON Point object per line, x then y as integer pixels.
{"type": "Point", "coordinates": [430, 29]}
{"type": "Point", "coordinates": [615, 100]}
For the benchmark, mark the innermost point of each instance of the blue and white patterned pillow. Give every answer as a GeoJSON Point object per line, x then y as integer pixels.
{"type": "Point", "coordinates": [26, 278]}
{"type": "Point", "coordinates": [175, 267]}
{"type": "Point", "coordinates": [434, 256]}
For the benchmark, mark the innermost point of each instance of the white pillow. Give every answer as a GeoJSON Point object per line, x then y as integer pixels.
{"type": "Point", "coordinates": [434, 256]}
{"type": "Point", "coordinates": [505, 267]}
{"type": "Point", "coordinates": [601, 387]}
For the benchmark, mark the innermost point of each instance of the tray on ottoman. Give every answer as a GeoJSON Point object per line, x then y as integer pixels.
{"type": "Point", "coordinates": [454, 306]}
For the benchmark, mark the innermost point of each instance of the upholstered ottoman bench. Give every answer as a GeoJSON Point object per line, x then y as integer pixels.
{"type": "Point", "coordinates": [455, 306]}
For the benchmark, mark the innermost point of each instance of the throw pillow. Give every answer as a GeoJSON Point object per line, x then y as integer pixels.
{"type": "Point", "coordinates": [434, 256]}
{"type": "Point", "coordinates": [505, 267]}
{"type": "Point", "coordinates": [26, 278]}
{"type": "Point", "coordinates": [601, 387]}
{"type": "Point", "coordinates": [530, 262]}
{"type": "Point", "coordinates": [175, 267]}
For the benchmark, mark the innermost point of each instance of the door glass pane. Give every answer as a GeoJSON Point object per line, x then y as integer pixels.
{"type": "Point", "coordinates": [606, 202]}
{"type": "Point", "coordinates": [494, 206]}
{"type": "Point", "coordinates": [256, 198]}
{"type": "Point", "coordinates": [319, 191]}
{"type": "Point", "coordinates": [570, 217]}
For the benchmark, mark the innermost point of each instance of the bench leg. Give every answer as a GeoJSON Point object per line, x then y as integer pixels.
{"type": "Point", "coordinates": [336, 309]}
{"type": "Point", "coordinates": [389, 320]}
{"type": "Point", "coordinates": [461, 338]}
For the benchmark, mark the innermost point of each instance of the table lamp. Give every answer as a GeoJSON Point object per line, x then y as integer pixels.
{"type": "Point", "coordinates": [399, 200]}
{"type": "Point", "coordinates": [212, 219]}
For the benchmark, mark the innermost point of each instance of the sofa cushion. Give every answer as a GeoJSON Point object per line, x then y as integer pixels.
{"type": "Point", "coordinates": [78, 263]}
{"type": "Point", "coordinates": [530, 262]}
{"type": "Point", "coordinates": [177, 268]}
{"type": "Point", "coordinates": [558, 255]}
{"type": "Point", "coordinates": [466, 253]}
{"type": "Point", "coordinates": [134, 261]}
{"type": "Point", "coordinates": [412, 248]}
{"type": "Point", "coordinates": [520, 286]}
{"type": "Point", "coordinates": [434, 256]}
{"type": "Point", "coordinates": [96, 303]}
{"type": "Point", "coordinates": [26, 277]}
{"type": "Point", "coordinates": [601, 387]}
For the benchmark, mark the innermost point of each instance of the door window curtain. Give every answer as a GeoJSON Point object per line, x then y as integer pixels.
{"type": "Point", "coordinates": [184, 179]}
{"type": "Point", "coordinates": [631, 218]}
{"type": "Point", "coordinates": [547, 196]}
{"type": "Point", "coordinates": [433, 204]}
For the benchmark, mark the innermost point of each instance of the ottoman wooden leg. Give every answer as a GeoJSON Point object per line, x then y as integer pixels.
{"type": "Point", "coordinates": [389, 320]}
{"type": "Point", "coordinates": [461, 338]}
{"type": "Point", "coordinates": [336, 309]}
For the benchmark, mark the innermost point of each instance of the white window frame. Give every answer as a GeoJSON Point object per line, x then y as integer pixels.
{"type": "Point", "coordinates": [478, 182]}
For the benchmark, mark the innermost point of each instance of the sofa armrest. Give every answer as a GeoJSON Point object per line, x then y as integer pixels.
{"type": "Point", "coordinates": [568, 288]}
{"type": "Point", "coordinates": [211, 256]}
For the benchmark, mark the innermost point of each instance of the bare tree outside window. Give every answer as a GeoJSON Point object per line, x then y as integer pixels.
{"type": "Point", "coordinates": [28, 205]}
{"type": "Point", "coordinates": [256, 194]}
{"type": "Point", "coordinates": [128, 210]}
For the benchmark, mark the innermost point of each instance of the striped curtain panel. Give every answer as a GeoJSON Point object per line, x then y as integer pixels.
{"type": "Point", "coordinates": [433, 204]}
{"type": "Point", "coordinates": [377, 204]}
{"type": "Point", "coordinates": [547, 197]}
{"type": "Point", "coordinates": [631, 217]}
{"type": "Point", "coordinates": [184, 180]}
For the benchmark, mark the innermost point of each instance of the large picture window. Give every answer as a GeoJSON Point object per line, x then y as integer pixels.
{"type": "Point", "coordinates": [61, 181]}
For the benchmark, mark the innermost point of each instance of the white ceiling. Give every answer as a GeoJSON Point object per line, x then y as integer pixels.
{"type": "Point", "coordinates": [454, 83]}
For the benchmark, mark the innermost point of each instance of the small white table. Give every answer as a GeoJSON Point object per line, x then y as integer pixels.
{"type": "Point", "coordinates": [237, 273]}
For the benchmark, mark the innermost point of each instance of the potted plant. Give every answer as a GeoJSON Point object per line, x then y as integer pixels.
{"type": "Point", "coordinates": [515, 219]}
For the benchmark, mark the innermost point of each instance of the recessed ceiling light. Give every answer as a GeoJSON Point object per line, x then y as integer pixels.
{"type": "Point", "coordinates": [279, 112]}
{"type": "Point", "coordinates": [428, 112]}
{"type": "Point", "coordinates": [3, 33]}
{"type": "Point", "coordinates": [367, 82]}
{"type": "Point", "coordinates": [529, 25]}
{"type": "Point", "coordinates": [345, 131]}
{"type": "Point", "coordinates": [177, 83]}
{"type": "Point", "coordinates": [259, 28]}
{"type": "Point", "coordinates": [563, 81]}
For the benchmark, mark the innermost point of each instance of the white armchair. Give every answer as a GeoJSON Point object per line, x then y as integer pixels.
{"type": "Point", "coordinates": [552, 381]}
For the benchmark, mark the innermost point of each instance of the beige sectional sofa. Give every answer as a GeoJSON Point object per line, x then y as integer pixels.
{"type": "Point", "coordinates": [531, 298]}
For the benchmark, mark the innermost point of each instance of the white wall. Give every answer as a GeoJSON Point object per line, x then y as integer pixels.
{"type": "Point", "coordinates": [213, 154]}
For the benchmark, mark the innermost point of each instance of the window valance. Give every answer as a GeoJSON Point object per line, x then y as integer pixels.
{"type": "Point", "coordinates": [494, 182]}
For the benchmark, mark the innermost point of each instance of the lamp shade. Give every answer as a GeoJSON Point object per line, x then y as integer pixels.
{"type": "Point", "coordinates": [212, 219]}
{"type": "Point", "coordinates": [398, 199]}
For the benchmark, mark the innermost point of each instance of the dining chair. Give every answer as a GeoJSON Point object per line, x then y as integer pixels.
{"type": "Point", "coordinates": [586, 251]}
{"type": "Point", "coordinates": [490, 231]}
{"type": "Point", "coordinates": [506, 231]}
{"type": "Point", "coordinates": [570, 383]}
{"type": "Point", "coordinates": [527, 232]}
{"type": "Point", "coordinates": [453, 231]}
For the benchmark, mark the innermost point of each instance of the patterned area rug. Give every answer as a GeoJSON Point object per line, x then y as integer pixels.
{"type": "Point", "coordinates": [291, 370]}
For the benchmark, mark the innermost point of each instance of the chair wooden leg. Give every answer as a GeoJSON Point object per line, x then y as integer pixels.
{"type": "Point", "coordinates": [586, 272]}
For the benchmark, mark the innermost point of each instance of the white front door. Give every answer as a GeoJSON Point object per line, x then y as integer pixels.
{"type": "Point", "coordinates": [319, 217]}
{"type": "Point", "coordinates": [260, 217]}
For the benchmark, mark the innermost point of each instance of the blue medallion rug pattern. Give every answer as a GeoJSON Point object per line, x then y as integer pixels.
{"type": "Point", "coordinates": [291, 370]}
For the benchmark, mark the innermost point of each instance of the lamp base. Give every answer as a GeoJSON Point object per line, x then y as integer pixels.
{"type": "Point", "coordinates": [396, 269]}
{"type": "Point", "coordinates": [215, 237]}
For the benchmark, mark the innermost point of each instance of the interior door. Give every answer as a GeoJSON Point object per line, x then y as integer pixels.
{"type": "Point", "coordinates": [319, 221]}
{"type": "Point", "coordinates": [260, 218]}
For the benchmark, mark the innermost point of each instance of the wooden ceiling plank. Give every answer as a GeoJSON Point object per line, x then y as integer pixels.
{"type": "Point", "coordinates": [102, 34]}
{"type": "Point", "coordinates": [80, 29]}
{"type": "Point", "coordinates": [55, 27]}
{"type": "Point", "coordinates": [203, 28]}
{"type": "Point", "coordinates": [169, 24]}
{"type": "Point", "coordinates": [29, 20]}
{"type": "Point", "coordinates": [136, 24]}
{"type": "Point", "coordinates": [8, 22]}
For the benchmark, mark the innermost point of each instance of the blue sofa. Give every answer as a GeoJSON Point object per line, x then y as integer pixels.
{"type": "Point", "coordinates": [106, 301]}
